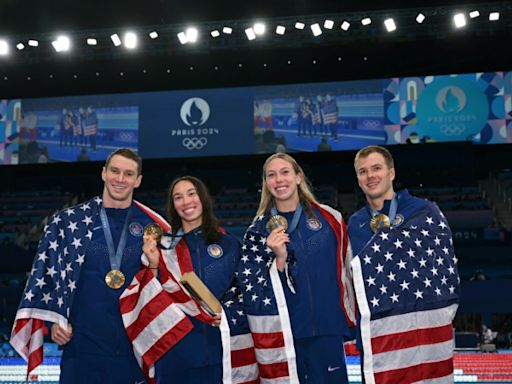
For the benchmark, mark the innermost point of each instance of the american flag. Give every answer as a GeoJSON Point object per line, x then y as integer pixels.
{"type": "Point", "coordinates": [90, 124]}
{"type": "Point", "coordinates": [407, 289]}
{"type": "Point", "coordinates": [330, 112]}
{"type": "Point", "coordinates": [155, 314]}
{"type": "Point", "coordinates": [52, 282]}
{"type": "Point", "coordinates": [265, 302]}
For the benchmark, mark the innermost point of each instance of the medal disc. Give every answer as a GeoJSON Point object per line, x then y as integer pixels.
{"type": "Point", "coordinates": [155, 230]}
{"type": "Point", "coordinates": [379, 221]}
{"type": "Point", "coordinates": [115, 279]}
{"type": "Point", "coordinates": [277, 221]}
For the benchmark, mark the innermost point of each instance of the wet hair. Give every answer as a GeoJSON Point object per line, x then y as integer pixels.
{"type": "Point", "coordinates": [306, 196]}
{"type": "Point", "coordinates": [129, 154]}
{"type": "Point", "coordinates": [209, 222]}
{"type": "Point", "coordinates": [367, 151]}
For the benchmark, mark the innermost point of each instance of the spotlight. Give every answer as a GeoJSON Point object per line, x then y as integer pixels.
{"type": "Point", "coordinates": [280, 30]}
{"type": "Point", "coordinates": [390, 25]}
{"type": "Point", "coordinates": [215, 33]}
{"type": "Point", "coordinates": [20, 46]}
{"type": "Point", "coordinates": [33, 43]}
{"type": "Point", "coordinates": [328, 24]}
{"type": "Point", "coordinates": [494, 16]}
{"type": "Point", "coordinates": [474, 14]}
{"type": "Point", "coordinates": [299, 25]}
{"type": "Point", "coordinates": [420, 18]}
{"type": "Point", "coordinates": [259, 29]}
{"type": "Point", "coordinates": [182, 37]}
{"type": "Point", "coordinates": [115, 39]}
{"type": "Point", "coordinates": [130, 40]}
{"type": "Point", "coordinates": [250, 33]}
{"type": "Point", "coordinates": [345, 25]}
{"type": "Point", "coordinates": [153, 34]}
{"type": "Point", "coordinates": [62, 44]}
{"type": "Point", "coordinates": [192, 34]}
{"type": "Point", "coordinates": [366, 21]}
{"type": "Point", "coordinates": [315, 28]}
{"type": "Point", "coordinates": [459, 20]}
{"type": "Point", "coordinates": [4, 47]}
{"type": "Point", "coordinates": [92, 42]}
{"type": "Point", "coordinates": [227, 30]}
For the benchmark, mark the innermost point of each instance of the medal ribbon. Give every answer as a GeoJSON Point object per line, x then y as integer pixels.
{"type": "Point", "coordinates": [295, 219]}
{"type": "Point", "coordinates": [393, 206]}
{"type": "Point", "coordinates": [116, 256]}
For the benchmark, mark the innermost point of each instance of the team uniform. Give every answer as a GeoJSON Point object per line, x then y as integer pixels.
{"type": "Point", "coordinates": [67, 284]}
{"type": "Point", "coordinates": [299, 317]}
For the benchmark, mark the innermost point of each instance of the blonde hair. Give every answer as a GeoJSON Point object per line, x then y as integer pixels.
{"type": "Point", "coordinates": [306, 196]}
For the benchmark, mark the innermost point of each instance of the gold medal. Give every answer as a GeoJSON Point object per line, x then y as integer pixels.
{"type": "Point", "coordinates": [155, 230]}
{"type": "Point", "coordinates": [115, 279]}
{"type": "Point", "coordinates": [379, 221]}
{"type": "Point", "coordinates": [277, 221]}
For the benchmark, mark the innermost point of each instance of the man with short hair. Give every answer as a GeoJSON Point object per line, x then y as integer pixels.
{"type": "Point", "coordinates": [86, 258]}
{"type": "Point", "coordinates": [405, 278]}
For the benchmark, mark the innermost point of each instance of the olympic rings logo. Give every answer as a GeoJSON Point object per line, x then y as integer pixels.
{"type": "Point", "coordinates": [194, 142]}
{"type": "Point", "coordinates": [453, 129]}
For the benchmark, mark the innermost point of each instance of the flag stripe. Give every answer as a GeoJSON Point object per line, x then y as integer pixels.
{"type": "Point", "coordinates": [268, 340]}
{"type": "Point", "coordinates": [269, 371]}
{"type": "Point", "coordinates": [242, 357]}
{"type": "Point", "coordinates": [412, 338]}
{"type": "Point", "coordinates": [417, 373]}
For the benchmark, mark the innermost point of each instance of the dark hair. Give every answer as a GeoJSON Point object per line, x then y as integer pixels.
{"type": "Point", "coordinates": [209, 224]}
{"type": "Point", "coordinates": [129, 154]}
{"type": "Point", "coordinates": [366, 151]}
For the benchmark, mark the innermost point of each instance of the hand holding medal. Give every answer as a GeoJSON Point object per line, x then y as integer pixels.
{"type": "Point", "coordinates": [278, 238]}
{"type": "Point", "coordinates": [152, 235]}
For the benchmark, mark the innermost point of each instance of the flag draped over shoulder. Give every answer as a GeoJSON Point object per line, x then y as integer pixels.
{"type": "Point", "coordinates": [155, 311]}
{"type": "Point", "coordinates": [49, 291]}
{"type": "Point", "coordinates": [407, 289]}
{"type": "Point", "coordinates": [265, 302]}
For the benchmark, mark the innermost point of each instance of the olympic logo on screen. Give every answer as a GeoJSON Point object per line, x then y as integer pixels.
{"type": "Point", "coordinates": [194, 142]}
{"type": "Point", "coordinates": [195, 112]}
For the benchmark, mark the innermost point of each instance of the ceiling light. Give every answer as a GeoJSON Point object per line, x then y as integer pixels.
{"type": "Point", "coordinates": [20, 46]}
{"type": "Point", "coordinates": [115, 39]}
{"type": "Point", "coordinates": [4, 47]}
{"type": "Point", "coordinates": [494, 16]}
{"type": "Point", "coordinates": [420, 18]}
{"type": "Point", "coordinates": [460, 20]}
{"type": "Point", "coordinates": [227, 30]}
{"type": "Point", "coordinates": [328, 24]}
{"type": "Point", "coordinates": [250, 33]}
{"type": "Point", "coordinates": [92, 42]}
{"type": "Point", "coordinates": [280, 30]}
{"type": "Point", "coordinates": [62, 44]}
{"type": "Point", "coordinates": [390, 25]}
{"type": "Point", "coordinates": [130, 40]}
{"type": "Point", "coordinates": [33, 43]}
{"type": "Point", "coordinates": [259, 29]}
{"type": "Point", "coordinates": [192, 34]}
{"type": "Point", "coordinates": [474, 14]}
{"type": "Point", "coordinates": [215, 33]}
{"type": "Point", "coordinates": [299, 25]}
{"type": "Point", "coordinates": [345, 25]}
{"type": "Point", "coordinates": [366, 21]}
{"type": "Point", "coordinates": [315, 28]}
{"type": "Point", "coordinates": [153, 34]}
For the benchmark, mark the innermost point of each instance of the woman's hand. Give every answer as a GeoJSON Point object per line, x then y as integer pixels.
{"type": "Point", "coordinates": [61, 335]}
{"type": "Point", "coordinates": [276, 241]}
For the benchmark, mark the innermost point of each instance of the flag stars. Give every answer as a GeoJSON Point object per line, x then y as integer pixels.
{"type": "Point", "coordinates": [263, 240]}
{"type": "Point", "coordinates": [252, 239]}
{"type": "Point", "coordinates": [394, 298]}
{"type": "Point", "coordinates": [429, 251]}
{"type": "Point", "coordinates": [60, 301]}
{"type": "Point", "coordinates": [405, 285]}
{"type": "Point", "coordinates": [76, 242]}
{"type": "Point", "coordinates": [383, 289]}
{"type": "Point", "coordinates": [61, 233]}
{"type": "Point", "coordinates": [442, 225]}
{"type": "Point", "coordinates": [401, 264]}
{"type": "Point", "coordinates": [42, 257]}
{"type": "Point", "coordinates": [267, 301]}
{"type": "Point", "coordinates": [247, 272]}
{"type": "Point", "coordinates": [254, 248]}
{"type": "Point", "coordinates": [418, 294]}
{"type": "Point", "coordinates": [376, 247]}
{"type": "Point", "coordinates": [423, 263]}
{"type": "Point", "coordinates": [375, 302]}
{"type": "Point", "coordinates": [429, 221]}
{"type": "Point", "coordinates": [40, 282]}
{"type": "Point", "coordinates": [425, 233]}
{"type": "Point", "coordinates": [244, 259]}
{"type": "Point", "coordinates": [84, 207]}
{"type": "Point", "coordinates": [72, 285]}
{"type": "Point", "coordinates": [80, 259]}
{"type": "Point", "coordinates": [451, 270]}
{"type": "Point", "coordinates": [437, 291]}
{"type": "Point", "coordinates": [391, 276]}
{"type": "Point", "coordinates": [249, 287]}
{"type": "Point", "coordinates": [379, 268]}
{"type": "Point", "coordinates": [87, 220]}
{"type": "Point", "coordinates": [427, 282]}
{"type": "Point", "coordinates": [445, 250]}
{"type": "Point", "coordinates": [440, 260]}
{"type": "Point", "coordinates": [389, 256]}
{"type": "Point", "coordinates": [89, 235]}
{"type": "Point", "coordinates": [437, 241]}
{"type": "Point", "coordinates": [398, 243]}
{"type": "Point", "coordinates": [70, 211]}
{"type": "Point", "coordinates": [51, 271]}
{"type": "Point", "coordinates": [72, 226]}
{"type": "Point", "coordinates": [418, 243]}
{"type": "Point", "coordinates": [254, 297]}
{"type": "Point", "coordinates": [434, 271]}
{"type": "Point", "coordinates": [407, 234]}
{"type": "Point", "coordinates": [53, 245]}
{"type": "Point", "coordinates": [29, 295]}
{"type": "Point", "coordinates": [56, 220]}
{"type": "Point", "coordinates": [367, 259]}
{"type": "Point", "coordinates": [46, 298]}
{"type": "Point", "coordinates": [455, 260]}
{"type": "Point", "coordinates": [384, 236]}
{"type": "Point", "coordinates": [444, 280]}
{"type": "Point", "coordinates": [415, 274]}
{"type": "Point", "coordinates": [451, 288]}
{"type": "Point", "coordinates": [411, 253]}
{"type": "Point", "coordinates": [370, 280]}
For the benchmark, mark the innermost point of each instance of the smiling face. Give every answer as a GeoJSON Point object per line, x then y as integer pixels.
{"type": "Point", "coordinates": [282, 182]}
{"type": "Point", "coordinates": [187, 204]}
{"type": "Point", "coordinates": [121, 177]}
{"type": "Point", "coordinates": [375, 179]}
